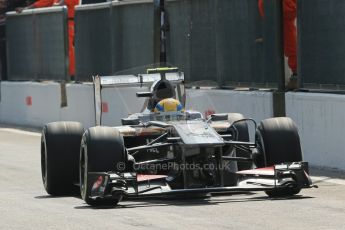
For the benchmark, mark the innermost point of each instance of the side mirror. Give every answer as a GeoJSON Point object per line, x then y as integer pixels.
{"type": "Point", "coordinates": [129, 121]}
{"type": "Point", "coordinates": [144, 94]}
{"type": "Point", "coordinates": [219, 117]}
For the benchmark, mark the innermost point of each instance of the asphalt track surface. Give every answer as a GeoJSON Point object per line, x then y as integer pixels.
{"type": "Point", "coordinates": [25, 205]}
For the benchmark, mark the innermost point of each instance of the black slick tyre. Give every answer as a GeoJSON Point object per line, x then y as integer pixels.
{"type": "Point", "coordinates": [102, 150]}
{"type": "Point", "coordinates": [279, 142]}
{"type": "Point", "coordinates": [241, 130]}
{"type": "Point", "coordinates": [60, 144]}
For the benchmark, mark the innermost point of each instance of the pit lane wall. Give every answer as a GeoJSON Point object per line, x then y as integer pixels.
{"type": "Point", "coordinates": [318, 116]}
{"type": "Point", "coordinates": [321, 122]}
{"type": "Point", "coordinates": [34, 104]}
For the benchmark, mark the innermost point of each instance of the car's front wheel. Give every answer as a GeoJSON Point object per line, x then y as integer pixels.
{"type": "Point", "coordinates": [102, 150]}
{"type": "Point", "coordinates": [279, 142]}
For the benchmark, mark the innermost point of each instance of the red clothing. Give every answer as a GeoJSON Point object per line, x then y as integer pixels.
{"type": "Point", "coordinates": [71, 47]}
{"type": "Point", "coordinates": [43, 3]}
{"type": "Point", "coordinates": [290, 31]}
{"type": "Point", "coordinates": [70, 7]}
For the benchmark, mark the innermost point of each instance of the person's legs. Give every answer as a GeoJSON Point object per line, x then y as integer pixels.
{"type": "Point", "coordinates": [290, 31]}
{"type": "Point", "coordinates": [290, 44]}
{"type": "Point", "coordinates": [261, 7]}
{"type": "Point", "coordinates": [290, 40]}
{"type": "Point", "coordinates": [71, 47]}
{"type": "Point", "coordinates": [290, 34]}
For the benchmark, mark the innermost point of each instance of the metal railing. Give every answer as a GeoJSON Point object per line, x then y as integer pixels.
{"type": "Point", "coordinates": [321, 44]}
{"type": "Point", "coordinates": [37, 45]}
{"type": "Point", "coordinates": [111, 37]}
{"type": "Point", "coordinates": [210, 40]}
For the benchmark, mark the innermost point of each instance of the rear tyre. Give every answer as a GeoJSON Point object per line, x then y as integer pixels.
{"type": "Point", "coordinates": [60, 144]}
{"type": "Point", "coordinates": [279, 142]}
{"type": "Point", "coordinates": [242, 135]}
{"type": "Point", "coordinates": [239, 132]}
{"type": "Point", "coordinates": [102, 150]}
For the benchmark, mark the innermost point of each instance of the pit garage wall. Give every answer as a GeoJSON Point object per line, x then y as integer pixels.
{"type": "Point", "coordinates": [320, 117]}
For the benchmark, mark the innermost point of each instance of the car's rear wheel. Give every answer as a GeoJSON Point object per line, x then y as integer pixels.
{"type": "Point", "coordinates": [241, 130]}
{"type": "Point", "coordinates": [102, 150]}
{"type": "Point", "coordinates": [60, 144]}
{"type": "Point", "coordinates": [278, 142]}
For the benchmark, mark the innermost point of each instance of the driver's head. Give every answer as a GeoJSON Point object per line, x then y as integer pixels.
{"type": "Point", "coordinates": [168, 105]}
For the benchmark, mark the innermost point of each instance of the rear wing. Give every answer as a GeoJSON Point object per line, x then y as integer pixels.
{"type": "Point", "coordinates": [175, 77]}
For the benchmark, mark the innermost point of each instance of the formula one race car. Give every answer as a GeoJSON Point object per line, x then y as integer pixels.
{"type": "Point", "coordinates": [168, 151]}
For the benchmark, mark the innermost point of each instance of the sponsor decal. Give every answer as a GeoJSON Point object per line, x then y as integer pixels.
{"type": "Point", "coordinates": [105, 107]}
{"type": "Point", "coordinates": [155, 150]}
{"type": "Point", "coordinates": [141, 177]}
{"type": "Point", "coordinates": [99, 186]}
{"type": "Point", "coordinates": [269, 171]}
{"type": "Point", "coordinates": [28, 101]}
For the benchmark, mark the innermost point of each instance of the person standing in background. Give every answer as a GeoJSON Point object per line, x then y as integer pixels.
{"type": "Point", "coordinates": [70, 7]}
{"type": "Point", "coordinates": [290, 37]}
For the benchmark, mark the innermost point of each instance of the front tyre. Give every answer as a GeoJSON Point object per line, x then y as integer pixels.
{"type": "Point", "coordinates": [279, 142]}
{"type": "Point", "coordinates": [102, 150]}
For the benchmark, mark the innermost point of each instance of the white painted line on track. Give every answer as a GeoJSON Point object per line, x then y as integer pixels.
{"type": "Point", "coordinates": [318, 179]}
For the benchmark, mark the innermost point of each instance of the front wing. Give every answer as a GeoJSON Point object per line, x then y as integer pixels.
{"type": "Point", "coordinates": [105, 185]}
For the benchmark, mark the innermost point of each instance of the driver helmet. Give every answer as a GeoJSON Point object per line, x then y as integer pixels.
{"type": "Point", "coordinates": [168, 105]}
